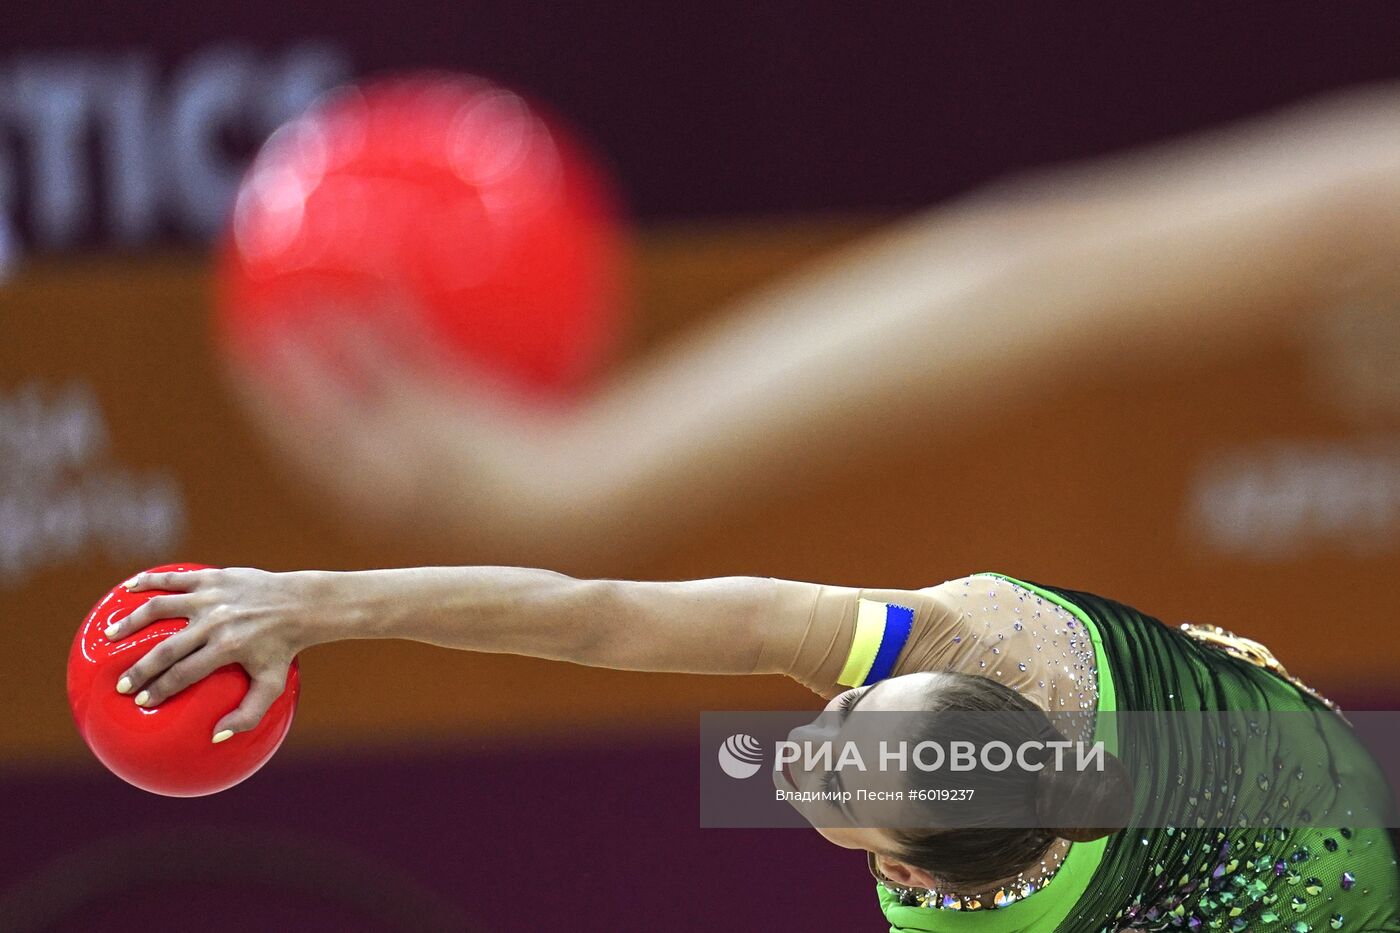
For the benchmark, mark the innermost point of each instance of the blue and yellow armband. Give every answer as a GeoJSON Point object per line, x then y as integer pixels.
{"type": "Point", "coordinates": [881, 632]}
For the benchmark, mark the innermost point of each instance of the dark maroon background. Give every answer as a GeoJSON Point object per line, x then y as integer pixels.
{"type": "Point", "coordinates": [581, 838]}
{"type": "Point", "coordinates": [736, 107]}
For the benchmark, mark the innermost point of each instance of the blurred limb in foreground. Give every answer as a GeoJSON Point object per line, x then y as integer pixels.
{"type": "Point", "coordinates": [1168, 253]}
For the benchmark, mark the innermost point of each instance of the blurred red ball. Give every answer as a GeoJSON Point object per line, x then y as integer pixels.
{"type": "Point", "coordinates": [445, 197]}
{"type": "Point", "coordinates": [166, 749]}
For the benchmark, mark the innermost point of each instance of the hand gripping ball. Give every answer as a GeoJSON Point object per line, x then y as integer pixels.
{"type": "Point", "coordinates": [166, 749]}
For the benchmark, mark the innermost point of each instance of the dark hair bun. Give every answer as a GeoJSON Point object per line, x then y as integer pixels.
{"type": "Point", "coordinates": [1083, 805]}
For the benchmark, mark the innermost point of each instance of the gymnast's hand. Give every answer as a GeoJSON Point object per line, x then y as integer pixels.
{"type": "Point", "coordinates": [252, 618]}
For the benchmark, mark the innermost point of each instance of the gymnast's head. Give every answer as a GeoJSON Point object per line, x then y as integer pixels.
{"type": "Point", "coordinates": [899, 796]}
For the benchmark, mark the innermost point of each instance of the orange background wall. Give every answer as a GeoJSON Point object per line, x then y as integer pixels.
{"type": "Point", "coordinates": [1088, 481]}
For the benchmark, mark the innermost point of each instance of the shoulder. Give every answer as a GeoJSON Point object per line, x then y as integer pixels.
{"type": "Point", "coordinates": [976, 586]}
{"type": "Point", "coordinates": [980, 606]}
{"type": "Point", "coordinates": [972, 589]}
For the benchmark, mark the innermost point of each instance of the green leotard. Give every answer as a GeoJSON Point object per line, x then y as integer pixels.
{"type": "Point", "coordinates": [1280, 880]}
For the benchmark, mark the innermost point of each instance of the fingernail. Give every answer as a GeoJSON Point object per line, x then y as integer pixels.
{"type": "Point", "coordinates": [143, 697]}
{"type": "Point", "coordinates": [111, 631]}
{"type": "Point", "coordinates": [130, 583]}
{"type": "Point", "coordinates": [222, 735]}
{"type": "Point", "coordinates": [124, 685]}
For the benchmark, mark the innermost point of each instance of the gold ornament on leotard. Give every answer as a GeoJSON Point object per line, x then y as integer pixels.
{"type": "Point", "coordinates": [1247, 649]}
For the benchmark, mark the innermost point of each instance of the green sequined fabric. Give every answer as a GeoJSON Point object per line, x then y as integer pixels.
{"type": "Point", "coordinates": [1277, 880]}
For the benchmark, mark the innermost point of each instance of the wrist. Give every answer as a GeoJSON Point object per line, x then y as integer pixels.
{"type": "Point", "coordinates": [338, 606]}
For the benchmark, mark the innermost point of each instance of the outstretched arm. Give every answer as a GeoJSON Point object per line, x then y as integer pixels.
{"type": "Point", "coordinates": [1200, 241]}
{"type": "Point", "coordinates": [261, 620]}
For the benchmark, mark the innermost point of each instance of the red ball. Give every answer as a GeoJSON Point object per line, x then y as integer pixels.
{"type": "Point", "coordinates": [167, 749]}
{"type": "Point", "coordinates": [447, 198]}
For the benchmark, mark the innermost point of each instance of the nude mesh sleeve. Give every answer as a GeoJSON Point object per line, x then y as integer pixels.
{"type": "Point", "coordinates": [831, 624]}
